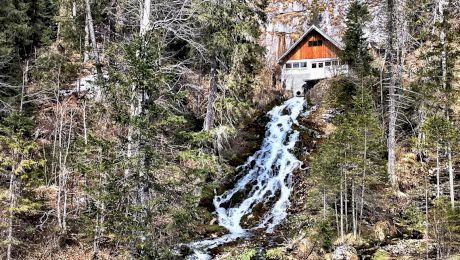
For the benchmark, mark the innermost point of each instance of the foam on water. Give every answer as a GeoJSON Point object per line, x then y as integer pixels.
{"type": "Point", "coordinates": [267, 175]}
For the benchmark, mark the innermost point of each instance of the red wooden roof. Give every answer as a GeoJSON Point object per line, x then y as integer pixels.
{"type": "Point", "coordinates": [296, 49]}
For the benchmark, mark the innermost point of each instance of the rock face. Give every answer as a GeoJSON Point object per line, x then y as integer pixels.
{"type": "Point", "coordinates": [409, 247]}
{"type": "Point", "coordinates": [288, 19]}
{"type": "Point", "coordinates": [344, 252]}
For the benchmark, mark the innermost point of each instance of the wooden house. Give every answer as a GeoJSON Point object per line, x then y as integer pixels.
{"type": "Point", "coordinates": [311, 58]}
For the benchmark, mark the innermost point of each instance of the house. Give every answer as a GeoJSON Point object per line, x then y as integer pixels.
{"type": "Point", "coordinates": [313, 57]}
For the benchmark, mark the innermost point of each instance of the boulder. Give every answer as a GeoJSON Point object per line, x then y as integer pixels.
{"type": "Point", "coordinates": [345, 252]}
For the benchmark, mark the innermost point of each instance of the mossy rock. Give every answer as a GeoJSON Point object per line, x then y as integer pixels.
{"type": "Point", "coordinates": [211, 230]}
{"type": "Point", "coordinates": [207, 195]}
{"type": "Point", "coordinates": [380, 255]}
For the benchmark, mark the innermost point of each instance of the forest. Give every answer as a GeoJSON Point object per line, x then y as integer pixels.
{"type": "Point", "coordinates": [160, 129]}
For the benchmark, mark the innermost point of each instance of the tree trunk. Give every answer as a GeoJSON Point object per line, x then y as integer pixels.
{"type": "Point", "coordinates": [324, 204]}
{"type": "Point", "coordinates": [451, 176]}
{"type": "Point", "coordinates": [12, 205]}
{"type": "Point", "coordinates": [438, 189]}
{"type": "Point", "coordinates": [212, 96]}
{"type": "Point", "coordinates": [346, 201]}
{"type": "Point", "coordinates": [85, 131]}
{"type": "Point", "coordinates": [92, 36]}
{"type": "Point", "coordinates": [426, 215]}
{"type": "Point", "coordinates": [391, 143]}
{"type": "Point", "coordinates": [341, 210]}
{"type": "Point", "coordinates": [442, 37]}
{"type": "Point", "coordinates": [25, 71]}
{"type": "Point", "coordinates": [363, 176]}
{"type": "Point", "coordinates": [145, 20]}
{"type": "Point", "coordinates": [353, 208]}
{"type": "Point", "coordinates": [86, 41]}
{"type": "Point", "coordinates": [336, 217]}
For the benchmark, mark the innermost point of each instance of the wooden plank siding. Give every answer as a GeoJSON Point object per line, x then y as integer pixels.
{"type": "Point", "coordinates": [303, 51]}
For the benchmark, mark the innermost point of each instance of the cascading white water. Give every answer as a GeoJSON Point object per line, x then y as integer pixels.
{"type": "Point", "coordinates": [267, 175]}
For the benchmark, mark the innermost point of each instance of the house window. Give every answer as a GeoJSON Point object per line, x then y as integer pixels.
{"type": "Point", "coordinates": [315, 43]}
{"type": "Point", "coordinates": [303, 64]}
{"type": "Point", "coordinates": [334, 62]}
{"type": "Point", "coordinates": [320, 65]}
{"type": "Point", "coordinates": [313, 65]}
{"type": "Point", "coordinates": [288, 65]}
{"type": "Point", "coordinates": [327, 63]}
{"type": "Point", "coordinates": [295, 65]}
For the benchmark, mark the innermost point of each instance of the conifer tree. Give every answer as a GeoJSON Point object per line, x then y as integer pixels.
{"type": "Point", "coordinates": [18, 162]}
{"type": "Point", "coordinates": [355, 52]}
{"type": "Point", "coordinates": [230, 30]}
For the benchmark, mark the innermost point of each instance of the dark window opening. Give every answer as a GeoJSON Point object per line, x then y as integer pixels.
{"type": "Point", "coordinates": [315, 43]}
{"type": "Point", "coordinates": [320, 65]}
{"type": "Point", "coordinates": [334, 62]}
{"type": "Point", "coordinates": [313, 65]}
{"type": "Point", "coordinates": [295, 65]}
{"type": "Point", "coordinates": [303, 64]}
{"type": "Point", "coordinates": [327, 63]}
{"type": "Point", "coordinates": [288, 65]}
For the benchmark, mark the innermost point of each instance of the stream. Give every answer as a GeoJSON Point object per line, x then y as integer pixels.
{"type": "Point", "coordinates": [266, 180]}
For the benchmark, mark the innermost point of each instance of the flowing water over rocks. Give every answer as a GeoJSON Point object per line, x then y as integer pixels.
{"type": "Point", "coordinates": [266, 180]}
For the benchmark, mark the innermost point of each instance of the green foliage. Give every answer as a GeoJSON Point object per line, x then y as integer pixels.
{"type": "Point", "coordinates": [352, 153]}
{"type": "Point", "coordinates": [246, 255]}
{"type": "Point", "coordinates": [275, 253]}
{"type": "Point", "coordinates": [380, 255]}
{"type": "Point", "coordinates": [20, 163]}
{"type": "Point", "coordinates": [355, 52]}
{"type": "Point", "coordinates": [24, 25]}
{"type": "Point", "coordinates": [326, 234]}
{"type": "Point", "coordinates": [444, 223]}
{"type": "Point", "coordinates": [439, 130]}
{"type": "Point", "coordinates": [341, 92]}
{"type": "Point", "coordinates": [413, 219]}
{"type": "Point", "coordinates": [230, 33]}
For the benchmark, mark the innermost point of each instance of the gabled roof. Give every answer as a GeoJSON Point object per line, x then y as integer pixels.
{"type": "Point", "coordinates": [299, 41]}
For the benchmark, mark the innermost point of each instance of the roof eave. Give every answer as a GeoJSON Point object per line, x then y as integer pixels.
{"type": "Point", "coordinates": [313, 27]}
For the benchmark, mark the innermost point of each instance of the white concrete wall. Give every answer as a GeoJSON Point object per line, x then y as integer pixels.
{"type": "Point", "coordinates": [294, 78]}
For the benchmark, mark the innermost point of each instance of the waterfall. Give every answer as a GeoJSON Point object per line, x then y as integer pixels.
{"type": "Point", "coordinates": [267, 177]}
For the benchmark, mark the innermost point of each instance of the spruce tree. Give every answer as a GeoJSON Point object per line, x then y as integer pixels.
{"type": "Point", "coordinates": [233, 56]}
{"type": "Point", "coordinates": [355, 52]}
